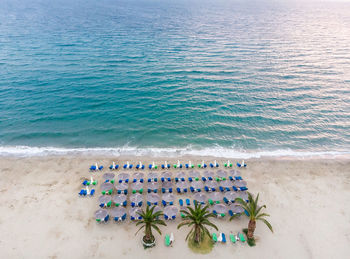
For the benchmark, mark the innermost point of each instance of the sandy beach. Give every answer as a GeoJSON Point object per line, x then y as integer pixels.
{"type": "Point", "coordinates": [42, 215]}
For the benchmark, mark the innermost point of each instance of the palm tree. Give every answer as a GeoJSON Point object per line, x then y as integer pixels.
{"type": "Point", "coordinates": [254, 213]}
{"type": "Point", "coordinates": [150, 220]}
{"type": "Point", "coordinates": [198, 218]}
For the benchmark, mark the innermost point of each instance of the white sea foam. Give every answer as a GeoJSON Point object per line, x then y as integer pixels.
{"type": "Point", "coordinates": [26, 151]}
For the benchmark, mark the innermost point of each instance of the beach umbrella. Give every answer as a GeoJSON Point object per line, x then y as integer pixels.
{"type": "Point", "coordinates": [156, 209]}
{"type": "Point", "coordinates": [136, 200]}
{"type": "Point", "coordinates": [211, 186]}
{"type": "Point", "coordinates": [122, 187]}
{"type": "Point", "coordinates": [108, 177]}
{"type": "Point", "coordinates": [168, 198]}
{"type": "Point", "coordinates": [208, 175]}
{"type": "Point", "coordinates": [200, 197]}
{"type": "Point", "coordinates": [105, 201]}
{"type": "Point", "coordinates": [170, 212]}
{"type": "Point", "coordinates": [234, 173]}
{"type": "Point", "coordinates": [182, 187]}
{"type": "Point", "coordinates": [118, 213]}
{"type": "Point", "coordinates": [243, 196]}
{"type": "Point", "coordinates": [101, 215]}
{"type": "Point", "coordinates": [230, 197]}
{"type": "Point", "coordinates": [119, 200]}
{"type": "Point", "coordinates": [167, 187]}
{"type": "Point", "coordinates": [221, 174]}
{"type": "Point", "coordinates": [214, 197]}
{"type": "Point", "coordinates": [166, 176]}
{"type": "Point", "coordinates": [219, 209]}
{"type": "Point", "coordinates": [137, 187]}
{"type": "Point", "coordinates": [152, 198]}
{"type": "Point", "coordinates": [152, 186]}
{"type": "Point", "coordinates": [236, 209]}
{"type": "Point", "coordinates": [133, 212]}
{"type": "Point", "coordinates": [180, 176]}
{"type": "Point", "coordinates": [107, 188]}
{"type": "Point", "coordinates": [193, 176]}
{"type": "Point", "coordinates": [152, 176]}
{"type": "Point", "coordinates": [225, 185]}
{"type": "Point", "coordinates": [123, 177]}
{"type": "Point", "coordinates": [196, 186]}
{"type": "Point", "coordinates": [240, 184]}
{"type": "Point", "coordinates": [138, 177]}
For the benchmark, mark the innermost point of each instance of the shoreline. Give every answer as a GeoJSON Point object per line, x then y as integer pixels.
{"type": "Point", "coordinates": [43, 217]}
{"type": "Point", "coordinates": [169, 153]}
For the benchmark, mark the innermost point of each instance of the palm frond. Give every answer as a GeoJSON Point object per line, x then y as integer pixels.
{"type": "Point", "coordinates": [267, 223]}
{"type": "Point", "coordinates": [139, 229]}
{"type": "Point", "coordinates": [258, 210]}
{"type": "Point", "coordinates": [183, 223]}
{"type": "Point", "coordinates": [262, 215]}
{"type": "Point", "coordinates": [189, 233]}
{"type": "Point", "coordinates": [207, 222]}
{"type": "Point", "coordinates": [234, 216]}
{"type": "Point", "coordinates": [156, 228]}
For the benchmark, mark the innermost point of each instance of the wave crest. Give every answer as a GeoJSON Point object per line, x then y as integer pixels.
{"type": "Point", "coordinates": [26, 151]}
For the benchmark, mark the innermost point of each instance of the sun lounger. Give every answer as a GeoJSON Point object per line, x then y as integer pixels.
{"type": "Point", "coordinates": [223, 238]}
{"type": "Point", "coordinates": [181, 202]}
{"type": "Point", "coordinates": [242, 164]}
{"type": "Point", "coordinates": [233, 238]}
{"type": "Point", "coordinates": [172, 238]}
{"type": "Point", "coordinates": [215, 237]}
{"type": "Point", "coordinates": [241, 237]}
{"type": "Point", "coordinates": [228, 164]}
{"type": "Point", "coordinates": [219, 237]}
{"type": "Point", "coordinates": [83, 192]}
{"type": "Point", "coordinates": [167, 240]}
{"type": "Point", "coordinates": [188, 203]}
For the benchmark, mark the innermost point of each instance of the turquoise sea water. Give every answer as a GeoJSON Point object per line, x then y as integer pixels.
{"type": "Point", "coordinates": [207, 77]}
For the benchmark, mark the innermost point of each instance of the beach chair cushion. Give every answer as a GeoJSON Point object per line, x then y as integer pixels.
{"type": "Point", "coordinates": [215, 237]}
{"type": "Point", "coordinates": [167, 240]}
{"type": "Point", "coordinates": [241, 237]}
{"type": "Point", "coordinates": [233, 238]}
{"type": "Point", "coordinates": [181, 202]}
{"type": "Point", "coordinates": [223, 238]}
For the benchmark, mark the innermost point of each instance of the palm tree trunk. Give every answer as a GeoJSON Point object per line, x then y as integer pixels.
{"type": "Point", "coordinates": [148, 233]}
{"type": "Point", "coordinates": [251, 229]}
{"type": "Point", "coordinates": [197, 234]}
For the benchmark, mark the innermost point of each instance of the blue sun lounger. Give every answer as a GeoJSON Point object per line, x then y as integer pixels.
{"type": "Point", "coordinates": [240, 165]}
{"type": "Point", "coordinates": [181, 202]}
{"type": "Point", "coordinates": [115, 167]}
{"type": "Point", "coordinates": [188, 202]}
{"type": "Point", "coordinates": [165, 166]}
{"type": "Point", "coordinates": [223, 238]}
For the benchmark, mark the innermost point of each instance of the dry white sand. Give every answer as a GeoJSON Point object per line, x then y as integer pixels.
{"type": "Point", "coordinates": [41, 215]}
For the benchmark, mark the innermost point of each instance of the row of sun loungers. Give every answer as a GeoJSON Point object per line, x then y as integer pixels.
{"type": "Point", "coordinates": [221, 237]}
{"type": "Point", "coordinates": [166, 165]}
{"type": "Point", "coordinates": [221, 189]}
{"type": "Point", "coordinates": [170, 211]}
{"type": "Point", "coordinates": [233, 182]}
{"type": "Point", "coordinates": [120, 214]}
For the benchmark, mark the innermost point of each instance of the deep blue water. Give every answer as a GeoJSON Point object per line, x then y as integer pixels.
{"type": "Point", "coordinates": [245, 76]}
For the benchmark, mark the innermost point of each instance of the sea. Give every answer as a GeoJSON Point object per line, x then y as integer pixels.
{"type": "Point", "coordinates": [234, 78]}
